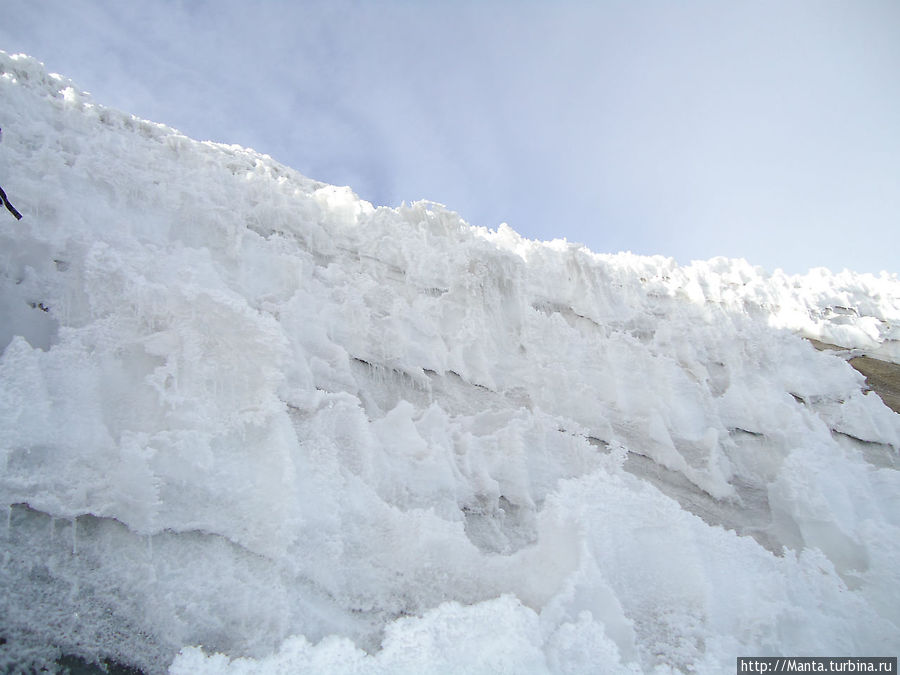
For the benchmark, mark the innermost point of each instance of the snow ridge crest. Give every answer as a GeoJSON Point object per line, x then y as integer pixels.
{"type": "Point", "coordinates": [246, 410]}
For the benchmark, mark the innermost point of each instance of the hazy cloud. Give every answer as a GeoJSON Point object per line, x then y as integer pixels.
{"type": "Point", "coordinates": [765, 130]}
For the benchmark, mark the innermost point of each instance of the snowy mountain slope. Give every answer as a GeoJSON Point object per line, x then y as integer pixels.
{"type": "Point", "coordinates": [248, 411]}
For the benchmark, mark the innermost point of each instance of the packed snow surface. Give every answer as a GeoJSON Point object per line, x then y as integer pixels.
{"type": "Point", "coordinates": [250, 423]}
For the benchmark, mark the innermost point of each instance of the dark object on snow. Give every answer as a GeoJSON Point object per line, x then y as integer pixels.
{"type": "Point", "coordinates": [10, 207]}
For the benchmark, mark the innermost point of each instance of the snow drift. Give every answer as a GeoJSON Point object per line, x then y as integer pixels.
{"type": "Point", "coordinates": [249, 422]}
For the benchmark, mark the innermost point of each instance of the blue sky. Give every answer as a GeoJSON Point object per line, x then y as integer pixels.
{"type": "Point", "coordinates": [767, 130]}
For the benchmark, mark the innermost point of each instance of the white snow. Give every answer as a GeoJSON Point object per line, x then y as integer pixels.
{"type": "Point", "coordinates": [250, 423]}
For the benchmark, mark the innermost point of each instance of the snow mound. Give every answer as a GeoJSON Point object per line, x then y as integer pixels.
{"type": "Point", "coordinates": [250, 423]}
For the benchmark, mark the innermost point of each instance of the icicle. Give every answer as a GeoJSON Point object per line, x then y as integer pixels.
{"type": "Point", "coordinates": [8, 518]}
{"type": "Point", "coordinates": [74, 536]}
{"type": "Point", "coordinates": [150, 546]}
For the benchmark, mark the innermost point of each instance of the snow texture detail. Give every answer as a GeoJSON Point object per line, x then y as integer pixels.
{"type": "Point", "coordinates": [251, 423]}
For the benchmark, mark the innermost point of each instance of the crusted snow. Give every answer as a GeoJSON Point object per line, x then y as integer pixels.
{"type": "Point", "coordinates": [251, 423]}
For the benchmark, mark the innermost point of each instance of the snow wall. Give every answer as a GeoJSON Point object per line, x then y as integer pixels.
{"type": "Point", "coordinates": [250, 423]}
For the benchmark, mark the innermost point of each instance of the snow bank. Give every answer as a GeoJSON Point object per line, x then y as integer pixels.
{"type": "Point", "coordinates": [251, 423]}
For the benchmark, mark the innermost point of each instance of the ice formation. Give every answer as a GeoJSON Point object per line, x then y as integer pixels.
{"type": "Point", "coordinates": [250, 423]}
